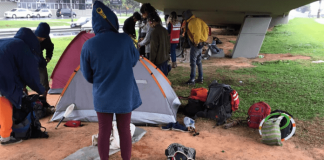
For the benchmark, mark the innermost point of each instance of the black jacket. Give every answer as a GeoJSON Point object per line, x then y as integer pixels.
{"type": "Point", "coordinates": [49, 47]}
{"type": "Point", "coordinates": [129, 26]}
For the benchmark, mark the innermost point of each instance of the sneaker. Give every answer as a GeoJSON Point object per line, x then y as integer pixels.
{"type": "Point", "coordinates": [11, 140]}
{"type": "Point", "coordinates": [179, 127]}
{"type": "Point", "coordinates": [199, 80]}
{"type": "Point", "coordinates": [189, 82]}
{"type": "Point", "coordinates": [167, 127]}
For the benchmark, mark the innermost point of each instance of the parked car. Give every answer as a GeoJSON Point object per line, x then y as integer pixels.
{"type": "Point", "coordinates": [18, 12]}
{"type": "Point", "coordinates": [87, 25]}
{"type": "Point", "coordinates": [42, 13]}
{"type": "Point", "coordinates": [80, 22]}
{"type": "Point", "coordinates": [64, 12]}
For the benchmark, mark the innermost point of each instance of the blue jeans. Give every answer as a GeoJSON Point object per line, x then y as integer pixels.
{"type": "Point", "coordinates": [195, 59]}
{"type": "Point", "coordinates": [164, 68]}
{"type": "Point", "coordinates": [173, 52]}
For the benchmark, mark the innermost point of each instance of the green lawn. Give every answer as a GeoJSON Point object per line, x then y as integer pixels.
{"type": "Point", "coordinates": [293, 86]}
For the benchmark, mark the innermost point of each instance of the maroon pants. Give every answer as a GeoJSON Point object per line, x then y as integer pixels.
{"type": "Point", "coordinates": [105, 127]}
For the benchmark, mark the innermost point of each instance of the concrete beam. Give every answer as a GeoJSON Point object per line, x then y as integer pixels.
{"type": "Point", "coordinates": [251, 37]}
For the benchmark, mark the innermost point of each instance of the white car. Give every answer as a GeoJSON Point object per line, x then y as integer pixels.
{"type": "Point", "coordinates": [42, 13]}
{"type": "Point", "coordinates": [81, 21]}
{"type": "Point", "coordinates": [18, 12]}
{"type": "Point", "coordinates": [87, 25]}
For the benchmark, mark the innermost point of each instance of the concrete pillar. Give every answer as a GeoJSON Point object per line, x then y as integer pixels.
{"type": "Point", "coordinates": [251, 37]}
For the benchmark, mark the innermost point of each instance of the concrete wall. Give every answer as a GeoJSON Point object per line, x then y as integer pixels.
{"type": "Point", "coordinates": [6, 6]}
{"type": "Point", "coordinates": [278, 20]}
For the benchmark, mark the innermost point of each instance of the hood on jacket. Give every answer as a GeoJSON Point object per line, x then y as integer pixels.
{"type": "Point", "coordinates": [43, 30]}
{"type": "Point", "coordinates": [101, 25]}
{"type": "Point", "coordinates": [30, 39]}
{"type": "Point", "coordinates": [187, 14]}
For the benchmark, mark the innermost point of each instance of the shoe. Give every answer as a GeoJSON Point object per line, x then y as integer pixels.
{"type": "Point", "coordinates": [179, 127]}
{"type": "Point", "coordinates": [189, 82]}
{"type": "Point", "coordinates": [167, 127]}
{"type": "Point", "coordinates": [11, 140]}
{"type": "Point", "coordinates": [199, 80]}
{"type": "Point", "coordinates": [174, 64]}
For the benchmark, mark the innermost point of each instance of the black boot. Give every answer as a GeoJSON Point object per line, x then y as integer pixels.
{"type": "Point", "coordinates": [190, 81]}
{"type": "Point", "coordinates": [199, 80]}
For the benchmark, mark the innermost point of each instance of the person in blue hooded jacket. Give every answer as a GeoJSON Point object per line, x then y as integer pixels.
{"type": "Point", "coordinates": [107, 61]}
{"type": "Point", "coordinates": [19, 58]}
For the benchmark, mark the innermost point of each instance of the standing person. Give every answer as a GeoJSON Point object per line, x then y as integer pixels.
{"type": "Point", "coordinates": [146, 10]}
{"type": "Point", "coordinates": [174, 32]}
{"type": "Point", "coordinates": [18, 67]}
{"type": "Point", "coordinates": [142, 33]}
{"type": "Point", "coordinates": [129, 25]}
{"type": "Point", "coordinates": [107, 61]}
{"type": "Point", "coordinates": [42, 32]}
{"type": "Point", "coordinates": [197, 31]}
{"type": "Point", "coordinates": [160, 44]}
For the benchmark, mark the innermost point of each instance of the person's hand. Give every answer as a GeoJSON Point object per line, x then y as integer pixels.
{"type": "Point", "coordinates": [48, 60]}
{"type": "Point", "coordinates": [141, 39]}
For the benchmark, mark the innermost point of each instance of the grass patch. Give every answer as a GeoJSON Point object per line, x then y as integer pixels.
{"type": "Point", "coordinates": [234, 42]}
{"type": "Point", "coordinates": [302, 36]}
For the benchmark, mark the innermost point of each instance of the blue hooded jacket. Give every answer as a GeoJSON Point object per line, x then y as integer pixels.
{"type": "Point", "coordinates": [19, 65]}
{"type": "Point", "coordinates": [107, 61]}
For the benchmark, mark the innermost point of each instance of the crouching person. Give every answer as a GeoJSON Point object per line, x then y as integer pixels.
{"type": "Point", "coordinates": [18, 67]}
{"type": "Point", "coordinates": [160, 44]}
{"type": "Point", "coordinates": [107, 61]}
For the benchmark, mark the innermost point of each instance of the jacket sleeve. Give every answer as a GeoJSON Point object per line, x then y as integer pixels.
{"type": "Point", "coordinates": [147, 38]}
{"type": "Point", "coordinates": [195, 29]}
{"type": "Point", "coordinates": [27, 64]}
{"type": "Point", "coordinates": [154, 47]}
{"type": "Point", "coordinates": [49, 49]}
{"type": "Point", "coordinates": [85, 65]}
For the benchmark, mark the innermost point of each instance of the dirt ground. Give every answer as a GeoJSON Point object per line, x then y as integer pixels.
{"type": "Point", "coordinates": [239, 142]}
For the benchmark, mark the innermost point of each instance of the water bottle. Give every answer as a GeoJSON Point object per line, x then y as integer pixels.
{"type": "Point", "coordinates": [261, 56]}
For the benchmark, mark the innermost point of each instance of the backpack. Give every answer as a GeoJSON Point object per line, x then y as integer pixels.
{"type": "Point", "coordinates": [177, 151]}
{"type": "Point", "coordinates": [257, 112]}
{"type": "Point", "coordinates": [286, 131]}
{"type": "Point", "coordinates": [218, 103]}
{"type": "Point", "coordinates": [195, 101]}
{"type": "Point", "coordinates": [235, 101]}
{"type": "Point", "coordinates": [26, 122]}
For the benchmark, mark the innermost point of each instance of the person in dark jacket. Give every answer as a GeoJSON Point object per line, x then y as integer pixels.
{"type": "Point", "coordinates": [107, 61]}
{"type": "Point", "coordinates": [129, 25]}
{"type": "Point", "coordinates": [160, 44]}
{"type": "Point", "coordinates": [42, 32]}
{"type": "Point", "coordinates": [18, 68]}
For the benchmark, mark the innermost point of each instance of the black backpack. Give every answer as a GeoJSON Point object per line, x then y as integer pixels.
{"type": "Point", "coordinates": [193, 107]}
{"type": "Point", "coordinates": [218, 103]}
{"type": "Point", "coordinates": [286, 131]}
{"type": "Point", "coordinates": [26, 121]}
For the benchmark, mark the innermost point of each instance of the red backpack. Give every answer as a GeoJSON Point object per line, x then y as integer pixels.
{"type": "Point", "coordinates": [235, 101]}
{"type": "Point", "coordinates": [257, 112]}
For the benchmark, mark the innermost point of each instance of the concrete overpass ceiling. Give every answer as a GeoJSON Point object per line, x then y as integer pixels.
{"type": "Point", "coordinates": [228, 11]}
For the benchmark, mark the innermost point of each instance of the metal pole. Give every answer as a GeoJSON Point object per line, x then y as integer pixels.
{"type": "Point", "coordinates": [71, 11]}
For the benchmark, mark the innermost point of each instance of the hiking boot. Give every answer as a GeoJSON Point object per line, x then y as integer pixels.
{"type": "Point", "coordinates": [167, 127]}
{"type": "Point", "coordinates": [179, 127]}
{"type": "Point", "coordinates": [10, 140]}
{"type": "Point", "coordinates": [199, 80]}
{"type": "Point", "coordinates": [174, 64]}
{"type": "Point", "coordinates": [190, 82]}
